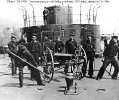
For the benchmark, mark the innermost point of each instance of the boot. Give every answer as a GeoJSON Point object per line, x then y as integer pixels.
{"type": "Point", "coordinates": [21, 79]}
{"type": "Point", "coordinates": [38, 79]}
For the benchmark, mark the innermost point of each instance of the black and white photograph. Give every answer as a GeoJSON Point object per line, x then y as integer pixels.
{"type": "Point", "coordinates": [59, 50]}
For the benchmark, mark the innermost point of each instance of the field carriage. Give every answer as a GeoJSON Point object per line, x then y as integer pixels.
{"type": "Point", "coordinates": [75, 61]}
{"type": "Point", "coordinates": [52, 61]}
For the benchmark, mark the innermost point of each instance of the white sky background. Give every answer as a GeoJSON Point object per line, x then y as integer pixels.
{"type": "Point", "coordinates": [107, 14]}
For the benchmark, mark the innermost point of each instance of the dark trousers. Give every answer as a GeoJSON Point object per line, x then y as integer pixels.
{"type": "Point", "coordinates": [90, 60]}
{"type": "Point", "coordinates": [21, 76]}
{"type": "Point", "coordinates": [36, 57]}
{"type": "Point", "coordinates": [33, 71]}
{"type": "Point", "coordinates": [14, 68]}
{"type": "Point", "coordinates": [84, 68]}
{"type": "Point", "coordinates": [45, 20]}
{"type": "Point", "coordinates": [37, 76]}
{"type": "Point", "coordinates": [106, 62]}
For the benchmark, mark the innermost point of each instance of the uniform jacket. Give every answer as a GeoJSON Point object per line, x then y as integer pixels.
{"type": "Point", "coordinates": [35, 47]}
{"type": "Point", "coordinates": [45, 13]}
{"type": "Point", "coordinates": [59, 46]}
{"type": "Point", "coordinates": [24, 43]}
{"type": "Point", "coordinates": [70, 46]}
{"type": "Point", "coordinates": [13, 46]}
{"type": "Point", "coordinates": [27, 56]}
{"type": "Point", "coordinates": [89, 47]}
{"type": "Point", "coordinates": [48, 44]}
{"type": "Point", "coordinates": [111, 50]}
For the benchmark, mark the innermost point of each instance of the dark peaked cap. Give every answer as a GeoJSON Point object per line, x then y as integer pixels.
{"type": "Point", "coordinates": [33, 34]}
{"type": "Point", "coordinates": [13, 37]}
{"type": "Point", "coordinates": [71, 34]}
{"type": "Point", "coordinates": [115, 37]}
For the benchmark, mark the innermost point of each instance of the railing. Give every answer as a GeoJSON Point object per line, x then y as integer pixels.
{"type": "Point", "coordinates": [70, 20]}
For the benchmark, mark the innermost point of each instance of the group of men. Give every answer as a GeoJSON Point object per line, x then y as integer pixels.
{"type": "Point", "coordinates": [31, 52]}
{"type": "Point", "coordinates": [71, 46]}
{"type": "Point", "coordinates": [110, 54]}
{"type": "Point", "coordinates": [111, 51]}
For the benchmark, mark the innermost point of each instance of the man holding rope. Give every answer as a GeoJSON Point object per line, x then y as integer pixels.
{"type": "Point", "coordinates": [24, 54]}
{"type": "Point", "coordinates": [24, 58]}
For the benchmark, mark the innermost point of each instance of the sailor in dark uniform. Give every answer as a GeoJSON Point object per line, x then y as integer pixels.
{"type": "Point", "coordinates": [71, 44]}
{"type": "Point", "coordinates": [70, 48]}
{"type": "Point", "coordinates": [90, 52]}
{"type": "Point", "coordinates": [12, 45]}
{"type": "Point", "coordinates": [45, 15]}
{"type": "Point", "coordinates": [35, 50]}
{"type": "Point", "coordinates": [26, 56]}
{"type": "Point", "coordinates": [59, 46]}
{"type": "Point", "coordinates": [25, 42]}
{"type": "Point", "coordinates": [110, 56]}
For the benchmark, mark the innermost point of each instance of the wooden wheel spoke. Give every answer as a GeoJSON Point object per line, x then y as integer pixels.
{"type": "Point", "coordinates": [48, 64]}
{"type": "Point", "coordinates": [80, 61]}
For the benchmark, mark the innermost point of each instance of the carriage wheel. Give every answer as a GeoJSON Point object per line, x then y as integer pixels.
{"type": "Point", "coordinates": [80, 63]}
{"type": "Point", "coordinates": [48, 65]}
